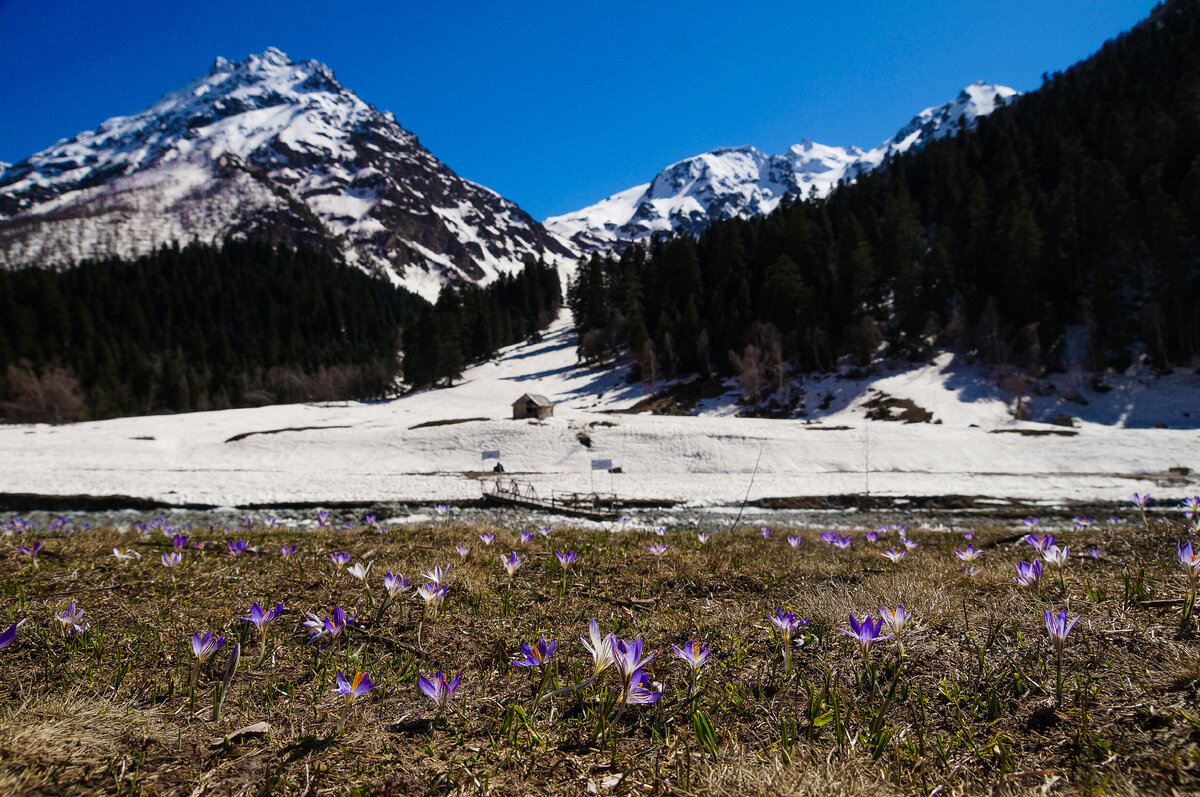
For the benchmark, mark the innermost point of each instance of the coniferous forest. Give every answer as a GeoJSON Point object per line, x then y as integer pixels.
{"type": "Point", "coordinates": [1074, 210]}
{"type": "Point", "coordinates": [244, 324]}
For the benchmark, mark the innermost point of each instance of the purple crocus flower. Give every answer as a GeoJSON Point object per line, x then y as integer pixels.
{"type": "Point", "coordinates": [1058, 557]}
{"type": "Point", "coordinates": [1031, 521]}
{"type": "Point", "coordinates": [179, 542]}
{"type": "Point", "coordinates": [463, 550]}
{"type": "Point", "coordinates": [842, 542]}
{"type": "Point", "coordinates": [370, 520]}
{"type": "Point", "coordinates": [893, 555]}
{"type": "Point", "coordinates": [351, 689]}
{"type": "Point", "coordinates": [340, 559]}
{"type": "Point", "coordinates": [1040, 543]}
{"type": "Point", "coordinates": [1189, 559]}
{"type": "Point", "coordinates": [1058, 627]}
{"type": "Point", "coordinates": [331, 626]}
{"type": "Point", "coordinates": [512, 563]}
{"type": "Point", "coordinates": [1093, 552]}
{"type": "Point", "coordinates": [32, 552]}
{"type": "Point", "coordinates": [894, 620]}
{"type": "Point", "coordinates": [1141, 499]}
{"type": "Point", "coordinates": [71, 619]}
{"type": "Point", "coordinates": [660, 531]}
{"type": "Point", "coordinates": [487, 538]}
{"type": "Point", "coordinates": [628, 661]}
{"type": "Point", "coordinates": [910, 543]}
{"type": "Point", "coordinates": [658, 548]}
{"type": "Point", "coordinates": [565, 558]}
{"type": "Point", "coordinates": [969, 554]}
{"type": "Point", "coordinates": [9, 635]}
{"type": "Point", "coordinates": [394, 585]}
{"type": "Point", "coordinates": [172, 559]}
{"type": "Point", "coordinates": [1190, 506]}
{"type": "Point", "coordinates": [1081, 523]}
{"type": "Point", "coordinates": [438, 689]}
{"type": "Point", "coordinates": [704, 537]}
{"type": "Point", "coordinates": [1028, 575]}
{"type": "Point", "coordinates": [766, 532]}
{"type": "Point", "coordinates": [545, 530]}
{"type": "Point", "coordinates": [526, 537]}
{"type": "Point", "coordinates": [236, 546]}
{"type": "Point", "coordinates": [871, 536]}
{"type": "Point", "coordinates": [203, 647]}
{"type": "Point", "coordinates": [794, 540]}
{"type": "Point", "coordinates": [322, 517]}
{"type": "Point", "coordinates": [787, 623]}
{"type": "Point", "coordinates": [536, 655]}
{"type": "Point", "coordinates": [442, 509]}
{"type": "Point", "coordinates": [968, 535]}
{"type": "Point", "coordinates": [262, 619]}
{"type": "Point", "coordinates": [694, 654]}
{"type": "Point", "coordinates": [433, 595]}
{"type": "Point", "coordinates": [828, 537]}
{"type": "Point", "coordinates": [866, 633]}
{"type": "Point", "coordinates": [287, 550]}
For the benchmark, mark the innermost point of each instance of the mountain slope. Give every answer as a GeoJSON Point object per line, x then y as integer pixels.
{"type": "Point", "coordinates": [264, 148]}
{"type": "Point", "coordinates": [739, 182]}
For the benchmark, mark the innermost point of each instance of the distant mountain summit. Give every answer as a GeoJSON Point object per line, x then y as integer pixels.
{"type": "Point", "coordinates": [742, 181]}
{"type": "Point", "coordinates": [264, 148]}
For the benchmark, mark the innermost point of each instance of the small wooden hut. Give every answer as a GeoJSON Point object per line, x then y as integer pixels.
{"type": "Point", "coordinates": [531, 405]}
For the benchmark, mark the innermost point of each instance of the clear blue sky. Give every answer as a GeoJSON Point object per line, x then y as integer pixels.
{"type": "Point", "coordinates": [558, 104]}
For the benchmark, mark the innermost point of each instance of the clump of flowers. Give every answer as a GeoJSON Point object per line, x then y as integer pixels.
{"type": "Point", "coordinates": [71, 619]}
{"type": "Point", "coordinates": [328, 628]}
{"type": "Point", "coordinates": [629, 664]}
{"type": "Point", "coordinates": [1028, 575]}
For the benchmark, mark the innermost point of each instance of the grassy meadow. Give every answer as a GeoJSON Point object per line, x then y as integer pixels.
{"type": "Point", "coordinates": [972, 700]}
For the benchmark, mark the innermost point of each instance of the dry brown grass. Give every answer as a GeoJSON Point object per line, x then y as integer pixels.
{"type": "Point", "coordinates": [973, 710]}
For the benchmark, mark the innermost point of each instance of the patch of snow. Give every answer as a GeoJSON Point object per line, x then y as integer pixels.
{"type": "Point", "coordinates": [384, 454]}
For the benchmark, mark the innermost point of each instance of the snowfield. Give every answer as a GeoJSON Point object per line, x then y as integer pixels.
{"type": "Point", "coordinates": [381, 452]}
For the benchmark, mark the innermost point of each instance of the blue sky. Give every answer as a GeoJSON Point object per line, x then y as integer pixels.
{"type": "Point", "coordinates": [559, 104]}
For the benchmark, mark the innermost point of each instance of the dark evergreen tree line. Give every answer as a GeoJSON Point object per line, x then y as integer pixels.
{"type": "Point", "coordinates": [1078, 205]}
{"type": "Point", "coordinates": [471, 323]}
{"type": "Point", "coordinates": [195, 328]}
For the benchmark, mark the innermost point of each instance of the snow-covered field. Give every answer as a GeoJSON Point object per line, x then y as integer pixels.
{"type": "Point", "coordinates": [372, 452]}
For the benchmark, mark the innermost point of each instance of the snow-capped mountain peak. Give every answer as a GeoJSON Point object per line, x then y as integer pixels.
{"type": "Point", "coordinates": [272, 148]}
{"type": "Point", "coordinates": [742, 181]}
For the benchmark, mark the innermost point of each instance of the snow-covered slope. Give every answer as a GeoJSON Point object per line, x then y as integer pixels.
{"type": "Point", "coordinates": [427, 446]}
{"type": "Point", "coordinates": [271, 148]}
{"type": "Point", "coordinates": [742, 181]}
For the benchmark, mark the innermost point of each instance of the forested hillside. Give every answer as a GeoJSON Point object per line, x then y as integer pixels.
{"type": "Point", "coordinates": [243, 324]}
{"type": "Point", "coordinates": [1074, 210]}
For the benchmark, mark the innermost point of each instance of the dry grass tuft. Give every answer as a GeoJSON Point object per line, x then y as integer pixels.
{"type": "Point", "coordinates": [73, 745]}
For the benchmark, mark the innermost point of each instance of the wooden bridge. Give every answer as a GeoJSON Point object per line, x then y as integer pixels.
{"type": "Point", "coordinates": [510, 492]}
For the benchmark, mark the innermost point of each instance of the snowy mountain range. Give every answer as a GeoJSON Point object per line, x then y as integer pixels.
{"type": "Point", "coordinates": [265, 147]}
{"type": "Point", "coordinates": [742, 181]}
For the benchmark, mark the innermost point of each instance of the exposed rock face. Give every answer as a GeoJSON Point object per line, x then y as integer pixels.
{"type": "Point", "coordinates": [265, 148]}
